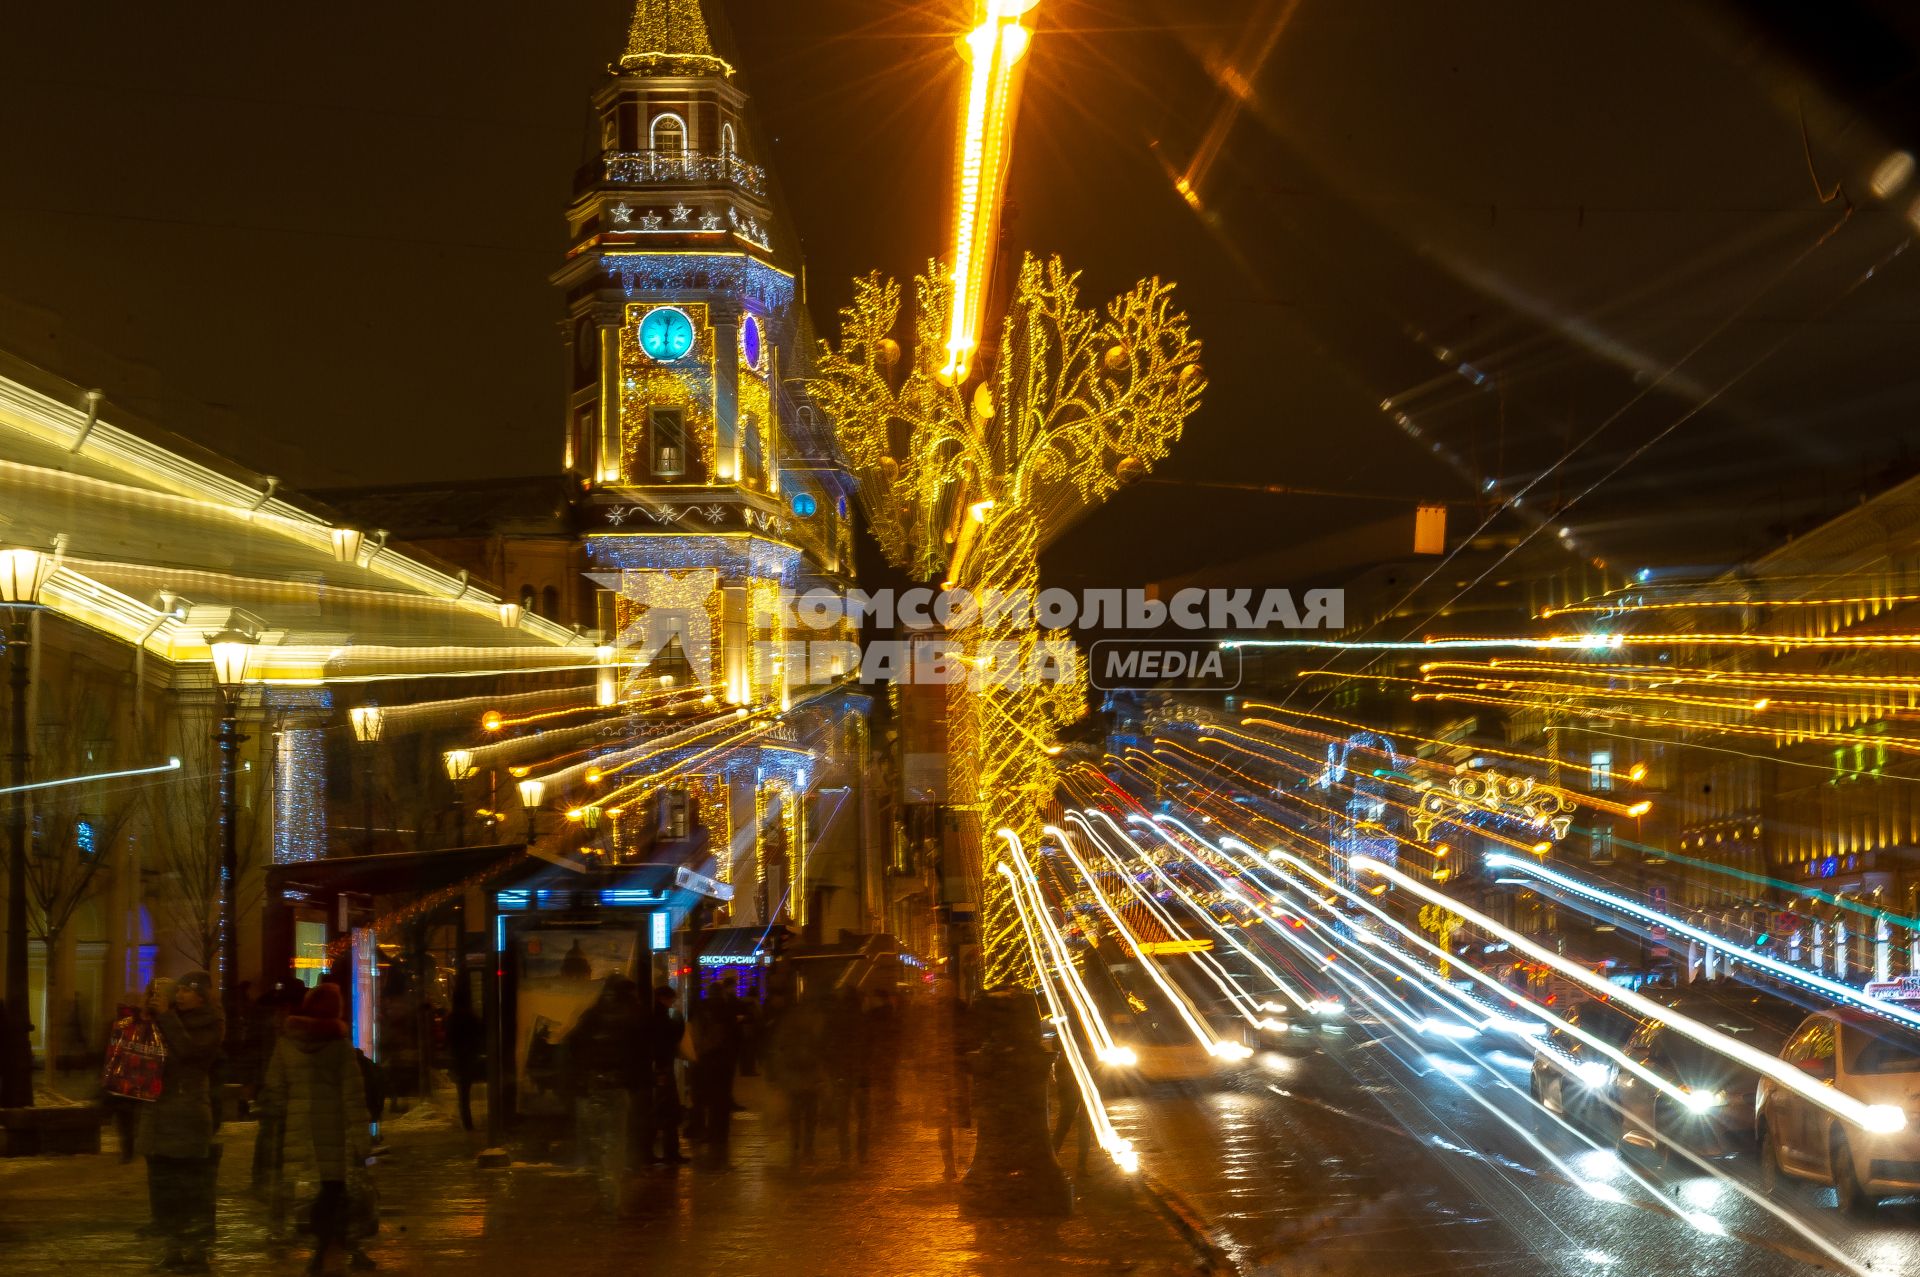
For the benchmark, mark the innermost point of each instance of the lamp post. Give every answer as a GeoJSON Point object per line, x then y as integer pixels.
{"type": "Point", "coordinates": [23, 573]}
{"type": "Point", "coordinates": [232, 654]}
{"type": "Point", "coordinates": [532, 794]}
{"type": "Point", "coordinates": [460, 770]}
{"type": "Point", "coordinates": [369, 727]}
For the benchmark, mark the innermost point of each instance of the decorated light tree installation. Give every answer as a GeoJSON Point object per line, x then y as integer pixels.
{"type": "Point", "coordinates": [968, 471]}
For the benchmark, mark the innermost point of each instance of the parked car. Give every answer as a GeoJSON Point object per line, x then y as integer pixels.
{"type": "Point", "coordinates": [1571, 1075]}
{"type": "Point", "coordinates": [1874, 1061]}
{"type": "Point", "coordinates": [1716, 1118]}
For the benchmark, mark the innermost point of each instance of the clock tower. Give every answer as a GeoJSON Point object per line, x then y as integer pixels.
{"type": "Point", "coordinates": [711, 490]}
{"type": "Point", "coordinates": [679, 305]}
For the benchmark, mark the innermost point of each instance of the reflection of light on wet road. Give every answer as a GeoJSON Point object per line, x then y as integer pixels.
{"type": "Point", "coordinates": [1599, 1163]}
{"type": "Point", "coordinates": [1706, 1223]}
{"type": "Point", "coordinates": [1599, 1257]}
{"type": "Point", "coordinates": [1452, 1068]}
{"type": "Point", "coordinates": [1704, 1194]}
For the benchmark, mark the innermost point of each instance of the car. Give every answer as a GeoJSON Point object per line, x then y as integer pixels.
{"type": "Point", "coordinates": [1161, 1051]}
{"type": "Point", "coordinates": [1716, 1118]}
{"type": "Point", "coordinates": [1571, 1074]}
{"type": "Point", "coordinates": [1873, 1060]}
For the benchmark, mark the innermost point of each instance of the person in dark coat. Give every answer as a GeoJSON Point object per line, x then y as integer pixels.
{"type": "Point", "coordinates": [466, 1045]}
{"type": "Point", "coordinates": [607, 1056]}
{"type": "Point", "coordinates": [715, 1026]}
{"type": "Point", "coordinates": [795, 1065]}
{"type": "Point", "coordinates": [176, 1130]}
{"type": "Point", "coordinates": [660, 1140]}
{"type": "Point", "coordinates": [847, 1066]}
{"type": "Point", "coordinates": [313, 1087]}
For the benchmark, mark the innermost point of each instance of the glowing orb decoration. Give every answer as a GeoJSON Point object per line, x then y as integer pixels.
{"type": "Point", "coordinates": [804, 505]}
{"type": "Point", "coordinates": [1130, 471]}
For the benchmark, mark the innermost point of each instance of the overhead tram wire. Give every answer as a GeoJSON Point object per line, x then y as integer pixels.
{"type": "Point", "coordinates": [1653, 384]}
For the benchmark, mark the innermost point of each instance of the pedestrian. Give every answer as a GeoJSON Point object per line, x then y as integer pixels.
{"type": "Point", "coordinates": [663, 1037]}
{"type": "Point", "coordinates": [314, 1087]}
{"type": "Point", "coordinates": [848, 1072]}
{"type": "Point", "coordinates": [606, 1052]}
{"type": "Point", "coordinates": [715, 1028]}
{"type": "Point", "coordinates": [466, 1044]}
{"type": "Point", "coordinates": [267, 1015]}
{"type": "Point", "coordinates": [796, 1069]}
{"type": "Point", "coordinates": [752, 1033]}
{"type": "Point", "coordinates": [176, 1133]}
{"type": "Point", "coordinates": [883, 1048]}
{"type": "Point", "coordinates": [124, 1110]}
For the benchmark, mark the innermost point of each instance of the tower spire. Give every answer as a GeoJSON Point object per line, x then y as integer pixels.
{"type": "Point", "coordinates": [670, 37]}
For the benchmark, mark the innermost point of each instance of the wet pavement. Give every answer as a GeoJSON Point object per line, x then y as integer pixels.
{"type": "Point", "coordinates": [1354, 1153]}
{"type": "Point", "coordinates": [897, 1215]}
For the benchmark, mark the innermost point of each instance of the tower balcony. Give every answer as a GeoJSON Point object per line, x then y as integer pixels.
{"type": "Point", "coordinates": [676, 168]}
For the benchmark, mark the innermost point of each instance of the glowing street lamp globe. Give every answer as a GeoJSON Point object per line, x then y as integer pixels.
{"type": "Point", "coordinates": [23, 574]}
{"type": "Point", "coordinates": [232, 656]}
{"type": "Point", "coordinates": [369, 724]}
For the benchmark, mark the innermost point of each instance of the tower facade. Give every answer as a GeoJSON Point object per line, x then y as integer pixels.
{"type": "Point", "coordinates": [711, 491]}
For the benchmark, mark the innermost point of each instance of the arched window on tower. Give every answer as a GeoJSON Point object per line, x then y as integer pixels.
{"type": "Point", "coordinates": [753, 460]}
{"type": "Point", "coordinates": [669, 134]}
{"type": "Point", "coordinates": [727, 143]}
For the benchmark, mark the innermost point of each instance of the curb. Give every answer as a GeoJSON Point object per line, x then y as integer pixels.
{"type": "Point", "coordinates": [1191, 1226]}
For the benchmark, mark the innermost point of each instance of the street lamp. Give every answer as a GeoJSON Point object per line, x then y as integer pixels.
{"type": "Point", "coordinates": [460, 769]}
{"type": "Point", "coordinates": [232, 651]}
{"type": "Point", "coordinates": [23, 574]}
{"type": "Point", "coordinates": [369, 728]}
{"type": "Point", "coordinates": [532, 793]}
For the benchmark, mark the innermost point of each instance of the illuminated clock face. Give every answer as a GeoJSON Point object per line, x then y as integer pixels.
{"type": "Point", "coordinates": [751, 347]}
{"type": "Point", "coordinates": [666, 334]}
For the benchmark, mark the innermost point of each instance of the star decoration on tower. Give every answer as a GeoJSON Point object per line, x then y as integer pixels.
{"type": "Point", "coordinates": [681, 213]}
{"type": "Point", "coordinates": [710, 221]}
{"type": "Point", "coordinates": [622, 214]}
{"type": "Point", "coordinates": [651, 221]}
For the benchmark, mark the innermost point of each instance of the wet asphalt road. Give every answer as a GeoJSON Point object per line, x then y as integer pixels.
{"type": "Point", "coordinates": [1355, 1152]}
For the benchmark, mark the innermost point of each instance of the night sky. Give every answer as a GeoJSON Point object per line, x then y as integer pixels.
{"type": "Point", "coordinates": [318, 239]}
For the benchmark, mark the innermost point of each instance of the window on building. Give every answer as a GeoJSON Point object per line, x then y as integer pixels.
{"type": "Point", "coordinates": [529, 599]}
{"type": "Point", "coordinates": [1600, 771]}
{"type": "Point", "coordinates": [667, 429]}
{"type": "Point", "coordinates": [727, 145]}
{"type": "Point", "coordinates": [1601, 852]}
{"type": "Point", "coordinates": [753, 462]}
{"type": "Point", "coordinates": [669, 134]}
{"type": "Point", "coordinates": [674, 811]}
{"type": "Point", "coordinates": [610, 132]}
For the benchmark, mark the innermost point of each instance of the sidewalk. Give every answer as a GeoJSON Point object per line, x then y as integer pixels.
{"type": "Point", "coordinates": [897, 1216]}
